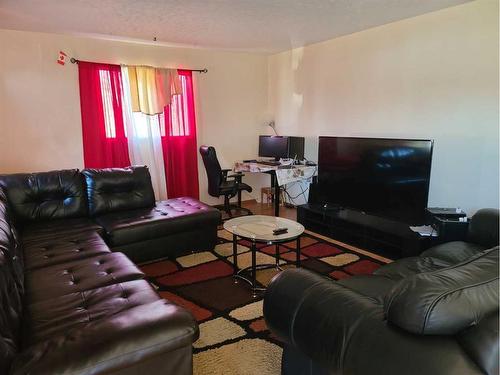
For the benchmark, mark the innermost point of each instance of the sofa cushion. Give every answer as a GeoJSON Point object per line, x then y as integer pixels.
{"type": "Point", "coordinates": [72, 311]}
{"type": "Point", "coordinates": [78, 276]}
{"type": "Point", "coordinates": [40, 231]}
{"type": "Point", "coordinates": [453, 252]}
{"type": "Point", "coordinates": [448, 300]}
{"type": "Point", "coordinates": [118, 189]}
{"type": "Point", "coordinates": [50, 251]}
{"type": "Point", "coordinates": [168, 217]}
{"type": "Point", "coordinates": [46, 195]}
{"type": "Point", "coordinates": [115, 344]}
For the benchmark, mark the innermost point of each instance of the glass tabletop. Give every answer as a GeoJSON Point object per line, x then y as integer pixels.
{"type": "Point", "coordinates": [260, 228]}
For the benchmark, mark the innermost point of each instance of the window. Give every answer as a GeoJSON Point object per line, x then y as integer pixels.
{"type": "Point", "coordinates": [179, 120]}
{"type": "Point", "coordinates": [107, 103]}
{"type": "Point", "coordinates": [178, 123]}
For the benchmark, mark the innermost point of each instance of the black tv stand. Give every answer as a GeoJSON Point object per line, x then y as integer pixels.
{"type": "Point", "coordinates": [332, 207]}
{"type": "Point", "coordinates": [386, 237]}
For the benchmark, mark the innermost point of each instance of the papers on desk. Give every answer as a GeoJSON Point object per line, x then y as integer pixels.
{"type": "Point", "coordinates": [297, 173]}
{"type": "Point", "coordinates": [283, 175]}
{"type": "Point", "coordinates": [425, 231]}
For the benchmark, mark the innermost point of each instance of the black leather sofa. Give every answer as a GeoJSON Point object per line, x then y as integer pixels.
{"type": "Point", "coordinates": [432, 314]}
{"type": "Point", "coordinates": [70, 304]}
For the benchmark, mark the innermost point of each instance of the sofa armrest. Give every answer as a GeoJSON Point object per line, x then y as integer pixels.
{"type": "Point", "coordinates": [316, 315]}
{"type": "Point", "coordinates": [109, 345]}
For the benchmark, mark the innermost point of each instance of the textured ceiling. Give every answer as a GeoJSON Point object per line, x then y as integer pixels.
{"type": "Point", "coordinates": [245, 25]}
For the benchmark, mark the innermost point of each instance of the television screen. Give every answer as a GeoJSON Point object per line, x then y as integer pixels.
{"type": "Point", "coordinates": [273, 146]}
{"type": "Point", "coordinates": [383, 177]}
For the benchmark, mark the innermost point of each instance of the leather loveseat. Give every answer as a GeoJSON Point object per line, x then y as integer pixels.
{"type": "Point", "coordinates": [432, 314]}
{"type": "Point", "coordinates": [70, 304]}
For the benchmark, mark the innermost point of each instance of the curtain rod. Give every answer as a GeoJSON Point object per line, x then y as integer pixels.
{"type": "Point", "coordinates": [75, 61]}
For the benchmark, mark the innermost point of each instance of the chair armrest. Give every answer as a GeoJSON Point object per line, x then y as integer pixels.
{"type": "Point", "coordinates": [316, 315]}
{"type": "Point", "coordinates": [237, 176]}
{"type": "Point", "coordinates": [112, 344]}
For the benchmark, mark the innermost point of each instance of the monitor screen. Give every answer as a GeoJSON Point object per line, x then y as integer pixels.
{"type": "Point", "coordinates": [385, 177]}
{"type": "Point", "coordinates": [273, 146]}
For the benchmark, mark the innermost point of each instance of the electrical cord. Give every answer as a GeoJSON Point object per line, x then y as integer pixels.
{"type": "Point", "coordinates": [303, 191]}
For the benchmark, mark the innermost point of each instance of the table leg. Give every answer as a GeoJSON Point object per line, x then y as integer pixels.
{"type": "Point", "coordinates": [298, 252]}
{"type": "Point", "coordinates": [254, 269]}
{"type": "Point", "coordinates": [235, 257]}
{"type": "Point", "coordinates": [277, 255]}
{"type": "Point", "coordinates": [276, 196]}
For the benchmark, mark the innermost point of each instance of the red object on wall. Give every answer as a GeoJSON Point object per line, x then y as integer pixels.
{"type": "Point", "coordinates": [104, 141]}
{"type": "Point", "coordinates": [180, 153]}
{"type": "Point", "coordinates": [62, 56]}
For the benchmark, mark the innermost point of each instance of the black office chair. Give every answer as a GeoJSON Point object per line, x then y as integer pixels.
{"type": "Point", "coordinates": [221, 183]}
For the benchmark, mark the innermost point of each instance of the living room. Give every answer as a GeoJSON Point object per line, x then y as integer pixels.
{"type": "Point", "coordinates": [422, 76]}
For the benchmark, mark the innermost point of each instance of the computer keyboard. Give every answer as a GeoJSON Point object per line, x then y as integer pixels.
{"type": "Point", "coordinates": [269, 162]}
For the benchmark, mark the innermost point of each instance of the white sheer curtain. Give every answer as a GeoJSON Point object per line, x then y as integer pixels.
{"type": "Point", "coordinates": [144, 140]}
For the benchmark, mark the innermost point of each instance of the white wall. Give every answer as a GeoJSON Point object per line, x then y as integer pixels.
{"type": "Point", "coordinates": [433, 76]}
{"type": "Point", "coordinates": [40, 124]}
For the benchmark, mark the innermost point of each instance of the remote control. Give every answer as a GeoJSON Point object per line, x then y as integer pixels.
{"type": "Point", "coordinates": [278, 231]}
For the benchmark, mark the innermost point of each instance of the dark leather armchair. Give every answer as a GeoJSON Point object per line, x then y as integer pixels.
{"type": "Point", "coordinates": [432, 314]}
{"type": "Point", "coordinates": [221, 183]}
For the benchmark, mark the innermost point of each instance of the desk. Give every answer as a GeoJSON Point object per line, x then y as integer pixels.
{"type": "Point", "coordinates": [279, 176]}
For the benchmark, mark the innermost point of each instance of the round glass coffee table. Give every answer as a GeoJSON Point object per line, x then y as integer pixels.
{"type": "Point", "coordinates": [260, 229]}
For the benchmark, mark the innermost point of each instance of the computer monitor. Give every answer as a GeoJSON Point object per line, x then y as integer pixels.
{"type": "Point", "coordinates": [277, 147]}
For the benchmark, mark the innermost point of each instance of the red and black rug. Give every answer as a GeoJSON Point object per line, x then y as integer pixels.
{"type": "Point", "coordinates": [234, 338]}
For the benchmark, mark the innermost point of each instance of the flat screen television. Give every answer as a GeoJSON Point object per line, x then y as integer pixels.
{"type": "Point", "coordinates": [378, 176]}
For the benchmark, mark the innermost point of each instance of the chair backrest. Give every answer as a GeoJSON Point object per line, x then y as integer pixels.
{"type": "Point", "coordinates": [214, 171]}
{"type": "Point", "coordinates": [448, 300]}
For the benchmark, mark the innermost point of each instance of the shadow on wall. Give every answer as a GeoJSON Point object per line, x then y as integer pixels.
{"type": "Point", "coordinates": [287, 121]}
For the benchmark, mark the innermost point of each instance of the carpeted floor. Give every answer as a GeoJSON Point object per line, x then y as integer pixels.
{"type": "Point", "coordinates": [234, 338]}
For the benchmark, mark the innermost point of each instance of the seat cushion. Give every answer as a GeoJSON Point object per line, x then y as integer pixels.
{"type": "Point", "coordinates": [168, 217]}
{"type": "Point", "coordinates": [115, 344]}
{"type": "Point", "coordinates": [65, 313]}
{"type": "Point", "coordinates": [46, 195]}
{"type": "Point", "coordinates": [78, 276]}
{"type": "Point", "coordinates": [54, 228]}
{"type": "Point", "coordinates": [453, 252]}
{"type": "Point", "coordinates": [62, 249]}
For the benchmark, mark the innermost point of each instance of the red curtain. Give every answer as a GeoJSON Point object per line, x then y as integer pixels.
{"type": "Point", "coordinates": [104, 140]}
{"type": "Point", "coordinates": [180, 153]}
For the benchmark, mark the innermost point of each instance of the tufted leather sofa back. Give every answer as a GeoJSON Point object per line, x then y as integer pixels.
{"type": "Point", "coordinates": [483, 227]}
{"type": "Point", "coordinates": [446, 301]}
{"type": "Point", "coordinates": [46, 195]}
{"type": "Point", "coordinates": [118, 189]}
{"type": "Point", "coordinates": [11, 287]}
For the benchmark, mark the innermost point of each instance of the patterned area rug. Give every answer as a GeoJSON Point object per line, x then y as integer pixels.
{"type": "Point", "coordinates": [234, 338]}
